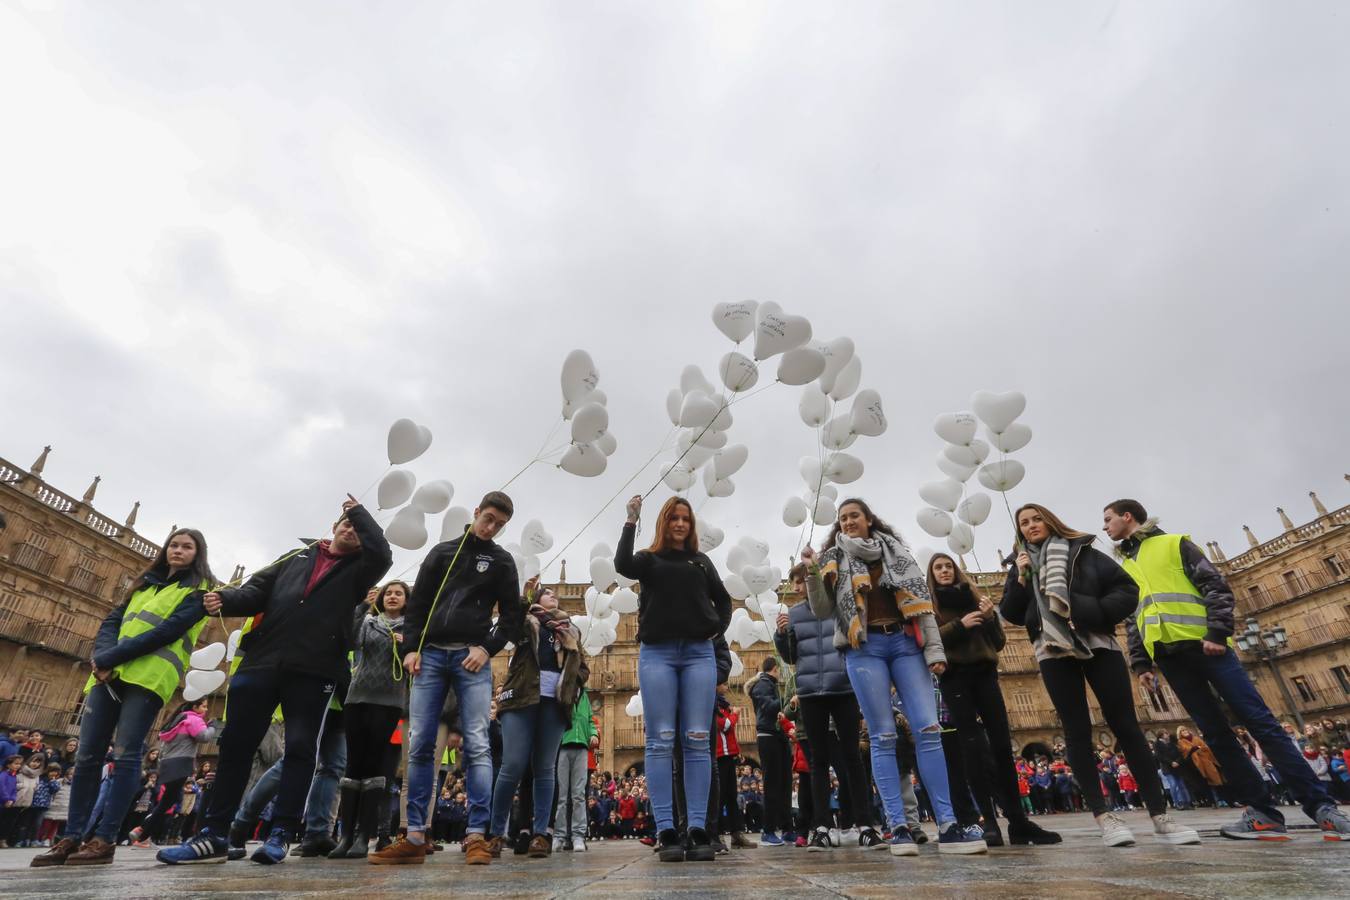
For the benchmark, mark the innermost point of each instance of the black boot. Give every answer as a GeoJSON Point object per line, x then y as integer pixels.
{"type": "Point", "coordinates": [368, 812]}
{"type": "Point", "coordinates": [383, 814]}
{"type": "Point", "coordinates": [347, 806]}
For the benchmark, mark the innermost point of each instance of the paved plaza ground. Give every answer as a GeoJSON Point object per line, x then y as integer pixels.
{"type": "Point", "coordinates": [1078, 868]}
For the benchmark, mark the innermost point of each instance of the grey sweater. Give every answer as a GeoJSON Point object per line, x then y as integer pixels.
{"type": "Point", "coordinates": [373, 675]}
{"type": "Point", "coordinates": [823, 605]}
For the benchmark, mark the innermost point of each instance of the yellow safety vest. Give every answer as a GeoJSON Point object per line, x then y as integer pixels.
{"type": "Point", "coordinates": [1170, 608]}
{"type": "Point", "coordinates": [160, 671]}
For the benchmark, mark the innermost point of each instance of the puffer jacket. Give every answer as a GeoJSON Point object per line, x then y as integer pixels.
{"type": "Point", "coordinates": [763, 691]}
{"type": "Point", "coordinates": [1101, 593]}
{"type": "Point", "coordinates": [808, 643]}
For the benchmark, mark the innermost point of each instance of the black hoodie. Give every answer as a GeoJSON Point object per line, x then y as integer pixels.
{"type": "Point", "coordinates": [484, 576]}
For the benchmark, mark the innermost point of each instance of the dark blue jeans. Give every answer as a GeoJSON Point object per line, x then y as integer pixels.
{"type": "Point", "coordinates": [121, 715]}
{"type": "Point", "coordinates": [1191, 674]}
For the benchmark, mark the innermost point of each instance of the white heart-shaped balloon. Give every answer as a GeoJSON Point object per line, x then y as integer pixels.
{"type": "Point", "coordinates": [758, 578]}
{"type": "Point", "coordinates": [736, 586]}
{"type": "Point", "coordinates": [801, 366]}
{"type": "Point", "coordinates": [838, 433]}
{"type": "Point", "coordinates": [677, 477]}
{"type": "Point", "coordinates": [998, 411]}
{"type": "Point", "coordinates": [1003, 475]}
{"type": "Point", "coordinates": [607, 443]}
{"type": "Point", "coordinates": [735, 320]}
{"type": "Point", "coordinates": [956, 427]}
{"type": "Point", "coordinates": [846, 382]}
{"type": "Point", "coordinates": [752, 604]}
{"type": "Point", "coordinates": [585, 460]}
{"type": "Point", "coordinates": [737, 558]}
{"type": "Point", "coordinates": [190, 693]}
{"type": "Point", "coordinates": [674, 404]}
{"type": "Point", "coordinates": [407, 441]}
{"type": "Point", "coordinates": [634, 706]}
{"type": "Point", "coordinates": [624, 601]}
{"type": "Point", "coordinates": [717, 487]}
{"type": "Point", "coordinates": [961, 540]}
{"type": "Point", "coordinates": [795, 512]}
{"type": "Point", "coordinates": [395, 488]}
{"type": "Point", "coordinates": [709, 537]}
{"type": "Point", "coordinates": [756, 551]}
{"type": "Point", "coordinates": [232, 646]}
{"type": "Point", "coordinates": [823, 510]}
{"type": "Point", "coordinates": [829, 490]}
{"type": "Point", "coordinates": [974, 509]}
{"type": "Point", "coordinates": [777, 332]}
{"type": "Point", "coordinates": [814, 407]}
{"type": "Point", "coordinates": [934, 521]}
{"type": "Point", "coordinates": [695, 456]}
{"type": "Point", "coordinates": [598, 606]}
{"type": "Point", "coordinates": [837, 353]}
{"type": "Point", "coordinates": [583, 627]}
{"type": "Point", "coordinates": [692, 379]}
{"type": "Point", "coordinates": [699, 437]}
{"type": "Point", "coordinates": [602, 573]}
{"type": "Point", "coordinates": [534, 539]}
{"type": "Point", "coordinates": [600, 550]}
{"type": "Point", "coordinates": [843, 468]}
{"type": "Point", "coordinates": [457, 518]}
{"type": "Point", "coordinates": [943, 494]}
{"type": "Point", "coordinates": [728, 461]}
{"type": "Point", "coordinates": [738, 372]}
{"type": "Point", "coordinates": [974, 453]}
{"type": "Point", "coordinates": [737, 667]}
{"type": "Point", "coordinates": [698, 410]}
{"type": "Point", "coordinates": [589, 423]}
{"type": "Point", "coordinates": [433, 497]}
{"type": "Point", "coordinates": [207, 657]}
{"type": "Point", "coordinates": [813, 473]}
{"type": "Point", "coordinates": [1011, 439]}
{"type": "Point", "coordinates": [954, 470]}
{"type": "Point", "coordinates": [867, 417]}
{"type": "Point", "coordinates": [205, 681]}
{"type": "Point", "coordinates": [579, 376]}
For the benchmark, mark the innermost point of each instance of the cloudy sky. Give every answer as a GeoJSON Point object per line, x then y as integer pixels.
{"type": "Point", "coordinates": [239, 240]}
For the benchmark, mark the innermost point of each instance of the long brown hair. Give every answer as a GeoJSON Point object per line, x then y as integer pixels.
{"type": "Point", "coordinates": [874, 523]}
{"type": "Point", "coordinates": [663, 540]}
{"type": "Point", "coordinates": [1052, 521]}
{"type": "Point", "coordinates": [199, 570]}
{"type": "Point", "coordinates": [961, 577]}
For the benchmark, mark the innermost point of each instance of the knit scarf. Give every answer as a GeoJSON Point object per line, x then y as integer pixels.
{"type": "Point", "coordinates": [565, 631]}
{"type": "Point", "coordinates": [844, 571]}
{"type": "Point", "coordinates": [1052, 558]}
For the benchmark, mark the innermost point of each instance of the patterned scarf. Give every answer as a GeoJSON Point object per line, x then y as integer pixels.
{"type": "Point", "coordinates": [849, 558]}
{"type": "Point", "coordinates": [559, 622]}
{"type": "Point", "coordinates": [1050, 585]}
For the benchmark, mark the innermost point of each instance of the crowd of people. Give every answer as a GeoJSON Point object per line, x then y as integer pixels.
{"type": "Point", "coordinates": [362, 720]}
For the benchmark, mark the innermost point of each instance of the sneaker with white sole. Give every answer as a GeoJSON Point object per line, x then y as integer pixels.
{"type": "Point", "coordinates": [1115, 833]}
{"type": "Point", "coordinates": [964, 841]}
{"type": "Point", "coordinates": [836, 838]}
{"type": "Point", "coordinates": [820, 840]}
{"type": "Point", "coordinates": [558, 844]}
{"type": "Point", "coordinates": [204, 847]}
{"type": "Point", "coordinates": [771, 839]}
{"type": "Point", "coordinates": [871, 839]}
{"type": "Point", "coordinates": [1335, 824]}
{"type": "Point", "coordinates": [901, 843]}
{"type": "Point", "coordinates": [849, 837]}
{"type": "Point", "coordinates": [578, 845]}
{"type": "Point", "coordinates": [1256, 826]}
{"type": "Point", "coordinates": [1169, 832]}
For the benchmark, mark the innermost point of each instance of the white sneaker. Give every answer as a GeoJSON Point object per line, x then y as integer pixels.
{"type": "Point", "coordinates": [558, 845]}
{"type": "Point", "coordinates": [578, 845]}
{"type": "Point", "coordinates": [1114, 831]}
{"type": "Point", "coordinates": [1169, 832]}
{"type": "Point", "coordinates": [847, 836]}
{"type": "Point", "coordinates": [836, 838]}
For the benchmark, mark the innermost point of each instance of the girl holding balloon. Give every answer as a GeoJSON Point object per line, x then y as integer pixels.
{"type": "Point", "coordinates": [869, 584]}
{"type": "Point", "coordinates": [682, 607]}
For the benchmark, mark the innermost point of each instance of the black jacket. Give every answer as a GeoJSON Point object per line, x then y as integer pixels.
{"type": "Point", "coordinates": [722, 655]}
{"type": "Point", "coordinates": [309, 634]}
{"type": "Point", "coordinates": [764, 698]}
{"type": "Point", "coordinates": [484, 577]}
{"type": "Point", "coordinates": [808, 643]}
{"type": "Point", "coordinates": [682, 597]}
{"type": "Point", "coordinates": [1101, 593]}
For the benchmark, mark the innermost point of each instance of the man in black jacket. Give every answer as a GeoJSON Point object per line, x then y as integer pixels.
{"type": "Point", "coordinates": [450, 640]}
{"type": "Point", "coordinates": [774, 754]}
{"type": "Point", "coordinates": [296, 657]}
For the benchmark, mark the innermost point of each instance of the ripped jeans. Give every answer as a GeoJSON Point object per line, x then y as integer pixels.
{"type": "Point", "coordinates": [895, 659]}
{"type": "Point", "coordinates": [678, 681]}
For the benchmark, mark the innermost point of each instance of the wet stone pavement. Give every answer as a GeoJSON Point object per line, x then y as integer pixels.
{"type": "Point", "coordinates": [1078, 868]}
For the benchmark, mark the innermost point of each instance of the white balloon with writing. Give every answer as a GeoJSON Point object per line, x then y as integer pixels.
{"type": "Point", "coordinates": [579, 376]}
{"type": "Point", "coordinates": [974, 509]}
{"type": "Point", "coordinates": [777, 332]}
{"type": "Point", "coordinates": [956, 427]}
{"type": "Point", "coordinates": [738, 371]}
{"type": "Point", "coordinates": [867, 416]}
{"type": "Point", "coordinates": [735, 320]}
{"type": "Point", "coordinates": [584, 460]}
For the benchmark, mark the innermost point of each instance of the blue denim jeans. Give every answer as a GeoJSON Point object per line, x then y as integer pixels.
{"type": "Point", "coordinates": [895, 659]}
{"type": "Point", "coordinates": [678, 682]}
{"type": "Point", "coordinates": [442, 670]}
{"type": "Point", "coordinates": [530, 736]}
{"type": "Point", "coordinates": [319, 804]}
{"type": "Point", "coordinates": [1176, 786]}
{"type": "Point", "coordinates": [1192, 674]}
{"type": "Point", "coordinates": [121, 715]}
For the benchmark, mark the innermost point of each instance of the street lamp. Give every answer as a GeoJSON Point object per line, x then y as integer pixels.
{"type": "Point", "coordinates": [1266, 645]}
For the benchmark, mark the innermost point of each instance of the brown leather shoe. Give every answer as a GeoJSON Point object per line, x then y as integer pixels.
{"type": "Point", "coordinates": [57, 855]}
{"type": "Point", "coordinates": [402, 852]}
{"type": "Point", "coordinates": [478, 850]}
{"type": "Point", "coordinates": [495, 845]}
{"type": "Point", "coordinates": [95, 852]}
{"type": "Point", "coordinates": [540, 846]}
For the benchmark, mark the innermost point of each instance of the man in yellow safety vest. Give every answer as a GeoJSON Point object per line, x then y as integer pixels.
{"type": "Point", "coordinates": [1183, 625]}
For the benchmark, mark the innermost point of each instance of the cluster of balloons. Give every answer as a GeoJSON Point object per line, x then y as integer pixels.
{"type": "Point", "coordinates": [585, 407]}
{"type": "Point", "coordinates": [964, 456]}
{"type": "Point", "coordinates": [407, 441]}
{"type": "Point", "coordinates": [838, 432]}
{"type": "Point", "coordinates": [534, 540]}
{"type": "Point", "coordinates": [754, 582]}
{"type": "Point", "coordinates": [205, 675]}
{"type": "Point", "coordinates": [600, 625]}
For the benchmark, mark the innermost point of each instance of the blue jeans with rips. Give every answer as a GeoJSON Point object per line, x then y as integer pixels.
{"type": "Point", "coordinates": [442, 670]}
{"type": "Point", "coordinates": [883, 661]}
{"type": "Point", "coordinates": [678, 682]}
{"type": "Point", "coordinates": [121, 714]}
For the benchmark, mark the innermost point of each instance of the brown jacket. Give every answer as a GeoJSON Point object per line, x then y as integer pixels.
{"type": "Point", "coordinates": [521, 688]}
{"type": "Point", "coordinates": [1197, 752]}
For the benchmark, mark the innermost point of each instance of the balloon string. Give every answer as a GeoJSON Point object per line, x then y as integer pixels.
{"type": "Point", "coordinates": [518, 474]}
{"type": "Point", "coordinates": [820, 458]}
{"type": "Point", "coordinates": [739, 397]}
{"type": "Point", "coordinates": [377, 480]}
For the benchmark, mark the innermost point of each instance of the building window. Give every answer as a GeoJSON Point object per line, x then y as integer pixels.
{"type": "Point", "coordinates": [1305, 691]}
{"type": "Point", "coordinates": [1334, 566]}
{"type": "Point", "coordinates": [1157, 700]}
{"type": "Point", "coordinates": [1342, 674]}
{"type": "Point", "coordinates": [9, 602]}
{"type": "Point", "coordinates": [32, 691]}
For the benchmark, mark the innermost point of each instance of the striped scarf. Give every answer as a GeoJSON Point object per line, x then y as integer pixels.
{"type": "Point", "coordinates": [1050, 584]}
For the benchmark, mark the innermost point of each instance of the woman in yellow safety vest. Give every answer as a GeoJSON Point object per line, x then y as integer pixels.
{"type": "Point", "coordinates": [140, 654]}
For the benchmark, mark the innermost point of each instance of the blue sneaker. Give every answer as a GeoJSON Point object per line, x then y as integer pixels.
{"type": "Point", "coordinates": [203, 847]}
{"type": "Point", "coordinates": [771, 839]}
{"type": "Point", "coordinates": [902, 843]}
{"type": "Point", "coordinates": [955, 839]}
{"type": "Point", "coordinates": [274, 850]}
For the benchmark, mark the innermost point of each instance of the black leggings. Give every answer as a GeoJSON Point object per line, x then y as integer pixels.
{"type": "Point", "coordinates": [817, 711]}
{"type": "Point", "coordinates": [369, 727]}
{"type": "Point", "coordinates": [777, 765]}
{"type": "Point", "coordinates": [1066, 681]}
{"type": "Point", "coordinates": [972, 695]}
{"type": "Point", "coordinates": [173, 794]}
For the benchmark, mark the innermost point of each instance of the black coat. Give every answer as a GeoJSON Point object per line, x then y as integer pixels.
{"type": "Point", "coordinates": [808, 643]}
{"type": "Point", "coordinates": [460, 606]}
{"type": "Point", "coordinates": [1101, 593]}
{"type": "Point", "coordinates": [309, 634]}
{"type": "Point", "coordinates": [764, 697]}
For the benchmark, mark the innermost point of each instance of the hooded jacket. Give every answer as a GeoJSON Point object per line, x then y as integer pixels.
{"type": "Point", "coordinates": [1101, 593]}
{"type": "Point", "coordinates": [484, 577]}
{"type": "Point", "coordinates": [178, 745]}
{"type": "Point", "coordinates": [309, 633]}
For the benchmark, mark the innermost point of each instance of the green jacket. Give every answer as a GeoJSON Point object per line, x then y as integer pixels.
{"type": "Point", "coordinates": [583, 726]}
